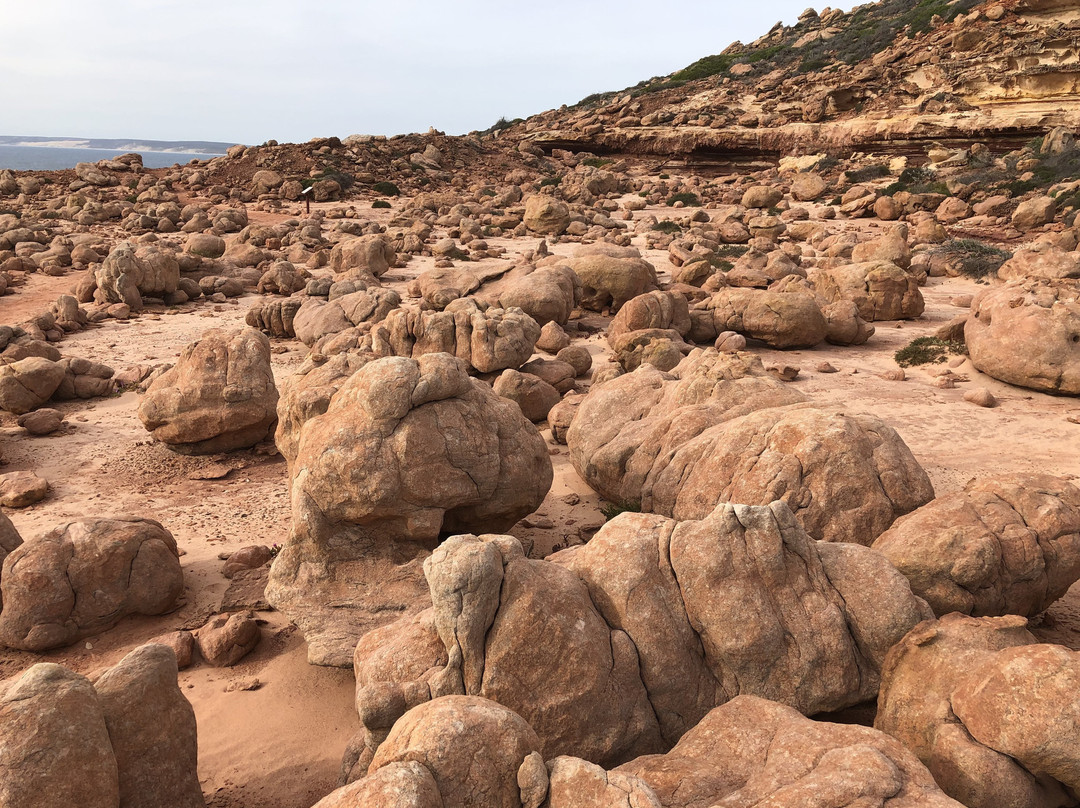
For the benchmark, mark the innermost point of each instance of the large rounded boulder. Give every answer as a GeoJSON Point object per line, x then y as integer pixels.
{"type": "Point", "coordinates": [1004, 545]}
{"type": "Point", "coordinates": [1027, 333]}
{"type": "Point", "coordinates": [406, 450]}
{"type": "Point", "coordinates": [718, 428]}
{"type": "Point", "coordinates": [219, 396]}
{"type": "Point", "coordinates": [83, 577]}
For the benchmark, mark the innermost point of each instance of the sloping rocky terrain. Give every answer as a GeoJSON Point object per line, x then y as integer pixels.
{"type": "Point", "coordinates": [713, 442]}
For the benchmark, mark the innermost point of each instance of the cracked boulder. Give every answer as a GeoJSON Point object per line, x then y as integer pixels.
{"type": "Point", "coordinates": [317, 318]}
{"type": "Point", "coordinates": [406, 450]}
{"type": "Point", "coordinates": [1004, 545]}
{"type": "Point", "coordinates": [989, 710]}
{"type": "Point", "coordinates": [718, 428]}
{"type": "Point", "coordinates": [781, 318]}
{"type": "Point", "coordinates": [611, 276]}
{"type": "Point", "coordinates": [128, 275]}
{"type": "Point", "coordinates": [1028, 333]}
{"type": "Point", "coordinates": [880, 289]}
{"type": "Point", "coordinates": [26, 384]}
{"type": "Point", "coordinates": [219, 396]}
{"type": "Point", "coordinates": [547, 294]}
{"type": "Point", "coordinates": [364, 257]}
{"type": "Point", "coordinates": [616, 648]}
{"type": "Point", "coordinates": [755, 752]}
{"type": "Point", "coordinates": [83, 577]}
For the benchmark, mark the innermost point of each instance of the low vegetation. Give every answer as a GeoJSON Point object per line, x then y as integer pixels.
{"type": "Point", "coordinates": [927, 351]}
{"type": "Point", "coordinates": [687, 198]}
{"type": "Point", "coordinates": [973, 258]}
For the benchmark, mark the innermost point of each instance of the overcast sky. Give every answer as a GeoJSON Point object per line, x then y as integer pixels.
{"type": "Point", "coordinates": [245, 71]}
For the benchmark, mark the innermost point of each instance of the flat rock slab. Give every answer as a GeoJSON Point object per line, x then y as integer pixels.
{"type": "Point", "coordinates": [247, 590]}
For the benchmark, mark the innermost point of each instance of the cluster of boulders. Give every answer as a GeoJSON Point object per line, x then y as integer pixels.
{"type": "Point", "coordinates": [614, 649]}
{"type": "Point", "coordinates": [127, 738]}
{"type": "Point", "coordinates": [463, 750]}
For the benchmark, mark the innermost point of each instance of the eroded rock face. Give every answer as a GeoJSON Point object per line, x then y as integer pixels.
{"type": "Point", "coordinates": [1005, 545]}
{"type": "Point", "coordinates": [959, 693]}
{"type": "Point", "coordinates": [610, 275]}
{"type": "Point", "coordinates": [405, 450]}
{"type": "Point", "coordinates": [1028, 334]}
{"type": "Point", "coordinates": [780, 319]}
{"type": "Point", "coordinates": [274, 316]}
{"type": "Point", "coordinates": [316, 318]}
{"type": "Point", "coordinates": [1041, 261]}
{"type": "Point", "coordinates": [82, 577]}
{"type": "Point", "coordinates": [219, 396]}
{"type": "Point", "coordinates": [722, 430]}
{"type": "Point", "coordinates": [881, 290]}
{"type": "Point", "coordinates": [614, 649]}
{"type": "Point", "coordinates": [488, 339]}
{"type": "Point", "coordinates": [128, 275]}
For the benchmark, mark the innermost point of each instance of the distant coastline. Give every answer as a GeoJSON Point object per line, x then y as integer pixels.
{"type": "Point", "coordinates": [208, 147]}
{"type": "Point", "coordinates": [55, 157]}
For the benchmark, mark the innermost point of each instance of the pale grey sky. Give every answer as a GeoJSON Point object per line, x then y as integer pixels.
{"type": "Point", "coordinates": [246, 71]}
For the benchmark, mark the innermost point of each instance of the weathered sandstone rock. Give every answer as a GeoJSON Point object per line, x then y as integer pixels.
{"type": "Point", "coordinates": [1003, 545]}
{"type": "Point", "coordinates": [82, 577]}
{"type": "Point", "coordinates": [406, 449]}
{"type": "Point", "coordinates": [614, 649]}
{"type": "Point", "coordinates": [952, 691]}
{"type": "Point", "coordinates": [1028, 334]}
{"type": "Point", "coordinates": [880, 289]}
{"type": "Point", "coordinates": [220, 394]}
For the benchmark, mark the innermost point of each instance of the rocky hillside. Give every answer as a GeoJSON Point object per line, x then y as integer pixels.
{"type": "Point", "coordinates": [889, 76]}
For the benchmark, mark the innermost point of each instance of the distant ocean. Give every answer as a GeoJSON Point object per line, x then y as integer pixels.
{"type": "Point", "coordinates": [52, 158]}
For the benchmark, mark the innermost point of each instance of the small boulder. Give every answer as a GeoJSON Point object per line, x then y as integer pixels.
{"type": "Point", "coordinates": [228, 638]}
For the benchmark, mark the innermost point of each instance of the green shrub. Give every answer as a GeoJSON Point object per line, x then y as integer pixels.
{"type": "Point", "coordinates": [733, 250]}
{"type": "Point", "coordinates": [813, 65]}
{"type": "Point", "coordinates": [689, 199]}
{"type": "Point", "coordinates": [667, 226]}
{"type": "Point", "coordinates": [380, 203]}
{"type": "Point", "coordinates": [974, 258]}
{"type": "Point", "coordinates": [546, 181]}
{"type": "Point", "coordinates": [597, 162]}
{"type": "Point", "coordinates": [927, 351]}
{"type": "Point", "coordinates": [386, 188]}
{"type": "Point", "coordinates": [613, 509]}
{"type": "Point", "coordinates": [867, 173]}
